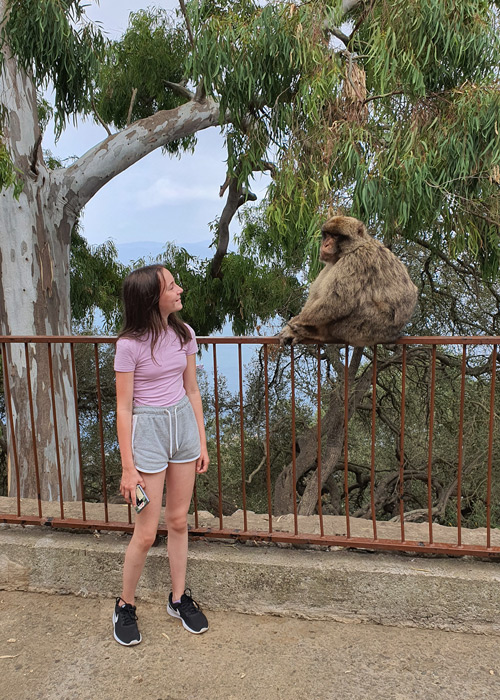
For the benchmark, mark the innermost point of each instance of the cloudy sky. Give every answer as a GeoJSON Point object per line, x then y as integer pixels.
{"type": "Point", "coordinates": [158, 199]}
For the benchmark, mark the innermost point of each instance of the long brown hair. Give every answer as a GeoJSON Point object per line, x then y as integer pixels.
{"type": "Point", "coordinates": [141, 312]}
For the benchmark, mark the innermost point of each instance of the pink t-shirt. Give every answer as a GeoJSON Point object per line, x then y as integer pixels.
{"type": "Point", "coordinates": [158, 381]}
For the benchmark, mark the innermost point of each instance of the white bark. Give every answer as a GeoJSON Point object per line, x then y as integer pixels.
{"type": "Point", "coordinates": [35, 233]}
{"type": "Point", "coordinates": [34, 300]}
{"type": "Point", "coordinates": [116, 153]}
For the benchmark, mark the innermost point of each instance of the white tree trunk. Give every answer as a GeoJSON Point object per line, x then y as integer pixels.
{"type": "Point", "coordinates": [35, 234]}
{"type": "Point", "coordinates": [34, 300]}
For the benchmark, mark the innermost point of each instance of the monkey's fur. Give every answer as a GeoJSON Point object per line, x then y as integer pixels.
{"type": "Point", "coordinates": [362, 296]}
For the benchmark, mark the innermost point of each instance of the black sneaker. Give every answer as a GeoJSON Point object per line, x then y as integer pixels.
{"type": "Point", "coordinates": [188, 612]}
{"type": "Point", "coordinates": [125, 629]}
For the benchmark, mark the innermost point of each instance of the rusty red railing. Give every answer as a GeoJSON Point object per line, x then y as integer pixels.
{"type": "Point", "coordinates": [33, 364]}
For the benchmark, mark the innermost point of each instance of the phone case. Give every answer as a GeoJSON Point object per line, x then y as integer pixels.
{"type": "Point", "coordinates": [141, 499]}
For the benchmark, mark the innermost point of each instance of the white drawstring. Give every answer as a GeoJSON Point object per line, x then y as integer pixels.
{"type": "Point", "coordinates": [170, 429]}
{"type": "Point", "coordinates": [176, 441]}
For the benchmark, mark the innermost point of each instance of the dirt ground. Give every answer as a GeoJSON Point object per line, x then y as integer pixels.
{"type": "Point", "coordinates": [61, 648]}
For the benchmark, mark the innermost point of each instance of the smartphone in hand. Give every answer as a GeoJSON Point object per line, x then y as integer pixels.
{"type": "Point", "coordinates": [141, 499]}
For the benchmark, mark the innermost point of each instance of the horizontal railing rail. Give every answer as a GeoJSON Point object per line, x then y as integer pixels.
{"type": "Point", "coordinates": [456, 465]}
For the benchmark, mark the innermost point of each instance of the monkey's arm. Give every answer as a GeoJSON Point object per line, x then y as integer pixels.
{"type": "Point", "coordinates": [332, 297]}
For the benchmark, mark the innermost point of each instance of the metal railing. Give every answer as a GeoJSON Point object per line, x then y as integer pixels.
{"type": "Point", "coordinates": [103, 511]}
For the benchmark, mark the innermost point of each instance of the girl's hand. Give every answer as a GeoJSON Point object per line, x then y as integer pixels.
{"type": "Point", "coordinates": [128, 484]}
{"type": "Point", "coordinates": [203, 461]}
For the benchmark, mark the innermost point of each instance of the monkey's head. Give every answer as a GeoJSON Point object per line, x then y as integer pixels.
{"type": "Point", "coordinates": [338, 235]}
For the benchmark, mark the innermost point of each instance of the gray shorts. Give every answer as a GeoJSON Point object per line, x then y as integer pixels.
{"type": "Point", "coordinates": [163, 434]}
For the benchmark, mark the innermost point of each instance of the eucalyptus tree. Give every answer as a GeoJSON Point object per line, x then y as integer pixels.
{"type": "Point", "coordinates": [392, 116]}
{"type": "Point", "coordinates": [42, 43]}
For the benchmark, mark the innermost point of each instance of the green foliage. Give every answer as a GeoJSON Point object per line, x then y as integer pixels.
{"type": "Point", "coordinates": [273, 72]}
{"type": "Point", "coordinates": [9, 176]}
{"type": "Point", "coordinates": [90, 433]}
{"type": "Point", "coordinates": [425, 157]}
{"type": "Point", "coordinates": [247, 292]}
{"type": "Point", "coordinates": [152, 51]}
{"type": "Point", "coordinates": [253, 424]}
{"type": "Point", "coordinates": [45, 112]}
{"type": "Point", "coordinates": [96, 278]}
{"type": "Point", "coordinates": [399, 128]}
{"type": "Point", "coordinates": [428, 45]}
{"type": "Point", "coordinates": [445, 441]}
{"type": "Point", "coordinates": [53, 40]}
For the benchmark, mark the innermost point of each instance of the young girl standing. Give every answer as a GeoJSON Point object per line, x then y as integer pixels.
{"type": "Point", "coordinates": [161, 436]}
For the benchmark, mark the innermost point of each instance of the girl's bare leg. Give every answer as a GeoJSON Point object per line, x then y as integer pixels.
{"type": "Point", "coordinates": [146, 526]}
{"type": "Point", "coordinates": [180, 483]}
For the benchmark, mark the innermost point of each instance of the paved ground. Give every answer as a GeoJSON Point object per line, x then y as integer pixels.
{"type": "Point", "coordinates": [61, 648]}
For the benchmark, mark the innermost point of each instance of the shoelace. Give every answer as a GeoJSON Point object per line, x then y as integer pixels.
{"type": "Point", "coordinates": [129, 616]}
{"type": "Point", "coordinates": [188, 605]}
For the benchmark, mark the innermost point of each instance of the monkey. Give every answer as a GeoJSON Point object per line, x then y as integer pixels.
{"type": "Point", "coordinates": [362, 296]}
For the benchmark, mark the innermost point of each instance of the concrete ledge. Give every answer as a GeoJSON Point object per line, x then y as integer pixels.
{"type": "Point", "coordinates": [452, 594]}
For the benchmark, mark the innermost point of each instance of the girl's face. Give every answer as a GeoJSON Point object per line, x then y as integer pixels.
{"type": "Point", "coordinates": [170, 295]}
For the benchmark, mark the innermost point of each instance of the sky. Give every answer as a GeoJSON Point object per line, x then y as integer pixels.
{"type": "Point", "coordinates": [159, 199]}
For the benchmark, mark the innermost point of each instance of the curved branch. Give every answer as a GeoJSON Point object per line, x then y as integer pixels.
{"type": "Point", "coordinates": [338, 34]}
{"type": "Point", "coordinates": [230, 208]}
{"type": "Point", "coordinates": [188, 24]}
{"type": "Point", "coordinates": [86, 176]}
{"type": "Point", "coordinates": [235, 199]}
{"type": "Point", "coordinates": [131, 106]}
{"type": "Point", "coordinates": [179, 89]}
{"type": "Point", "coordinates": [100, 119]}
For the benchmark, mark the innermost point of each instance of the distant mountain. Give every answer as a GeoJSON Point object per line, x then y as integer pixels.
{"type": "Point", "coordinates": [128, 252]}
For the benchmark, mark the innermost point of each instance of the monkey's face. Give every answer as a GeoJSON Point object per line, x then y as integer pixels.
{"type": "Point", "coordinates": [329, 251]}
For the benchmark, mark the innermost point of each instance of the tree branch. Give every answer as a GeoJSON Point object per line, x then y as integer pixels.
{"type": "Point", "coordinates": [235, 199]}
{"type": "Point", "coordinates": [380, 97]}
{"type": "Point", "coordinates": [100, 119]}
{"type": "Point", "coordinates": [86, 176]}
{"type": "Point", "coordinates": [338, 34]}
{"type": "Point", "coordinates": [180, 89]}
{"type": "Point", "coordinates": [188, 24]}
{"type": "Point", "coordinates": [131, 106]}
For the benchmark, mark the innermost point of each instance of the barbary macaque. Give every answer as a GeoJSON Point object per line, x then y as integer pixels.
{"type": "Point", "coordinates": [362, 296]}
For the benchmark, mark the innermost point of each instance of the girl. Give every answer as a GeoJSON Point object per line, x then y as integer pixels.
{"type": "Point", "coordinates": [161, 436]}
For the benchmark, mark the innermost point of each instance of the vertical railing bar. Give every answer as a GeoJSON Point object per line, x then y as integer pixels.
{"type": "Point", "coordinates": [268, 441]}
{"type": "Point", "coordinates": [346, 442]}
{"type": "Point", "coordinates": [430, 445]}
{"type": "Point", "coordinates": [242, 438]}
{"type": "Point", "coordinates": [101, 432]}
{"type": "Point", "coordinates": [372, 461]}
{"type": "Point", "coordinates": [402, 446]}
{"type": "Point", "coordinates": [460, 448]}
{"type": "Point", "coordinates": [77, 419]}
{"type": "Point", "coordinates": [33, 430]}
{"type": "Point", "coordinates": [217, 434]}
{"type": "Point", "coordinates": [320, 505]}
{"type": "Point", "coordinates": [490, 445]}
{"type": "Point", "coordinates": [294, 448]}
{"type": "Point", "coordinates": [56, 431]}
{"type": "Point", "coordinates": [8, 397]}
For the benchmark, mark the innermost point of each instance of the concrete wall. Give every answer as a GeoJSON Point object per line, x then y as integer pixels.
{"type": "Point", "coordinates": [446, 593]}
